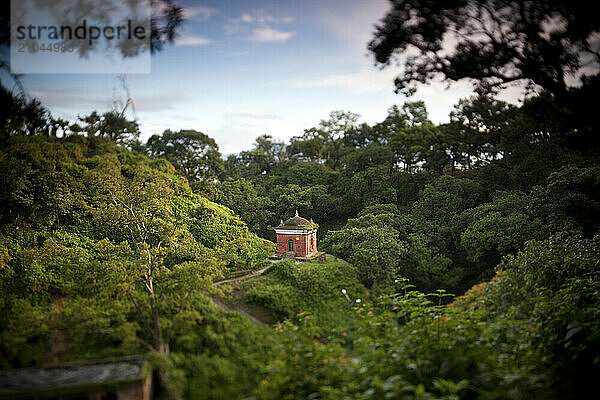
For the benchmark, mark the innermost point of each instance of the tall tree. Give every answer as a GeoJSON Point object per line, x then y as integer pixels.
{"type": "Point", "coordinates": [492, 41]}
{"type": "Point", "coordinates": [310, 144]}
{"type": "Point", "coordinates": [243, 198]}
{"type": "Point", "coordinates": [273, 149]}
{"type": "Point", "coordinates": [483, 125]}
{"type": "Point", "coordinates": [193, 153]}
{"type": "Point", "coordinates": [264, 156]}
{"type": "Point", "coordinates": [20, 116]}
{"type": "Point", "coordinates": [113, 125]}
{"type": "Point", "coordinates": [328, 140]}
{"type": "Point", "coordinates": [411, 133]}
{"type": "Point", "coordinates": [334, 129]}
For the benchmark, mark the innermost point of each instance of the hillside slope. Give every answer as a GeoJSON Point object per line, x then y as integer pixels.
{"type": "Point", "coordinates": [106, 252]}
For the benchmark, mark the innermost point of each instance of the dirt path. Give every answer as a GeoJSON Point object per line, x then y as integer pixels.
{"type": "Point", "coordinates": [232, 307]}
{"type": "Point", "coordinates": [251, 275]}
{"type": "Point", "coordinates": [228, 305]}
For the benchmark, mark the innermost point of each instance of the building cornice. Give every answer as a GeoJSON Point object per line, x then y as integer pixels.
{"type": "Point", "coordinates": [294, 231]}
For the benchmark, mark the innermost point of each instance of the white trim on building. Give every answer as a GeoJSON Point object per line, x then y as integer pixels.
{"type": "Point", "coordinates": [294, 231]}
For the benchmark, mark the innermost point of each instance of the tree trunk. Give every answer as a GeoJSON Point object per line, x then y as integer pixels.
{"type": "Point", "coordinates": [164, 379]}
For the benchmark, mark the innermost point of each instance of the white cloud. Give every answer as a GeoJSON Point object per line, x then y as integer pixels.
{"type": "Point", "coordinates": [353, 24]}
{"type": "Point", "coordinates": [363, 81]}
{"type": "Point", "coordinates": [247, 18]}
{"type": "Point", "coordinates": [81, 101]}
{"type": "Point", "coordinates": [72, 99]}
{"type": "Point", "coordinates": [158, 102]}
{"type": "Point", "coordinates": [258, 27]}
{"type": "Point", "coordinates": [235, 53]}
{"type": "Point", "coordinates": [249, 116]}
{"type": "Point", "coordinates": [191, 40]}
{"type": "Point", "coordinates": [439, 97]}
{"type": "Point", "coordinates": [71, 102]}
{"type": "Point", "coordinates": [198, 13]}
{"type": "Point", "coordinates": [267, 34]}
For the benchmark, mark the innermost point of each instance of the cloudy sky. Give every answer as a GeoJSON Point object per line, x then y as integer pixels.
{"type": "Point", "coordinates": [249, 67]}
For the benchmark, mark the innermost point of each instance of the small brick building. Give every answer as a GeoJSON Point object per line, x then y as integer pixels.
{"type": "Point", "coordinates": [296, 237]}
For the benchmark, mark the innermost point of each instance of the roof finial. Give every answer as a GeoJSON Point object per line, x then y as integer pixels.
{"type": "Point", "coordinates": [280, 222]}
{"type": "Point", "coordinates": [296, 213]}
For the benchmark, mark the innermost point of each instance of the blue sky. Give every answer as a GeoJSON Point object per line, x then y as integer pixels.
{"type": "Point", "coordinates": [245, 68]}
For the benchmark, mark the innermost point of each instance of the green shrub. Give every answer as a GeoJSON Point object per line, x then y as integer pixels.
{"type": "Point", "coordinates": [289, 288]}
{"type": "Point", "coordinates": [531, 333]}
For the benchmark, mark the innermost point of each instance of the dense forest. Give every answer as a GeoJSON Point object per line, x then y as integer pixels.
{"type": "Point", "coordinates": [109, 251]}
{"type": "Point", "coordinates": [467, 251]}
{"type": "Point", "coordinates": [439, 204]}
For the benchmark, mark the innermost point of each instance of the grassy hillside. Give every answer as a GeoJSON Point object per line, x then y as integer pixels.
{"type": "Point", "coordinates": [290, 288]}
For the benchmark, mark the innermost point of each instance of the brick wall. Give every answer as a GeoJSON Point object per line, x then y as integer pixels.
{"type": "Point", "coordinates": [302, 246]}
